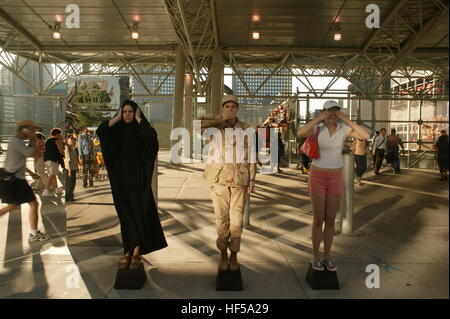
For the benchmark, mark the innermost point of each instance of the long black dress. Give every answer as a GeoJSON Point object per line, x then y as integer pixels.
{"type": "Point", "coordinates": [130, 150]}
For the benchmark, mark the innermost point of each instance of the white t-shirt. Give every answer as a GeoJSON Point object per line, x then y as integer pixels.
{"type": "Point", "coordinates": [331, 148]}
{"type": "Point", "coordinates": [16, 157]}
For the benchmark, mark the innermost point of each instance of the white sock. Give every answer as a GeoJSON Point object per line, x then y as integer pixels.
{"type": "Point", "coordinates": [34, 232]}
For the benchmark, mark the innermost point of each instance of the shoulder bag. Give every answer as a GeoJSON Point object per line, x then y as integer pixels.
{"type": "Point", "coordinates": [311, 146]}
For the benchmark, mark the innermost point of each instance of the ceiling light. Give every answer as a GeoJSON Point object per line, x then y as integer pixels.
{"type": "Point", "coordinates": [134, 32]}
{"type": "Point", "coordinates": [337, 32]}
{"type": "Point", "coordinates": [337, 37]}
{"type": "Point", "coordinates": [56, 33]}
{"type": "Point", "coordinates": [255, 35]}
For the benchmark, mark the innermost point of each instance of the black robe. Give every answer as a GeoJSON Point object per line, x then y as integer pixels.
{"type": "Point", "coordinates": [130, 150]}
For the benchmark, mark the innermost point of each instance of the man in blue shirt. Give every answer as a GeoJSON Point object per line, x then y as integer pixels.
{"type": "Point", "coordinates": [87, 157]}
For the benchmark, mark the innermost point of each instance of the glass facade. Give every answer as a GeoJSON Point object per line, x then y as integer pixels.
{"type": "Point", "coordinates": [43, 110]}
{"type": "Point", "coordinates": [156, 108]}
{"type": "Point", "coordinates": [256, 110]}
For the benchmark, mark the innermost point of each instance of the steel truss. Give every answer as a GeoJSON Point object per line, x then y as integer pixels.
{"type": "Point", "coordinates": [389, 53]}
{"type": "Point", "coordinates": [196, 28]}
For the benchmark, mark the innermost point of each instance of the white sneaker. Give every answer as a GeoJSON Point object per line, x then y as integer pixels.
{"type": "Point", "coordinates": [38, 237]}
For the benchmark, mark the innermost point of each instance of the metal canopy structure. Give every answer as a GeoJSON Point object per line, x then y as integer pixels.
{"type": "Point", "coordinates": [295, 35]}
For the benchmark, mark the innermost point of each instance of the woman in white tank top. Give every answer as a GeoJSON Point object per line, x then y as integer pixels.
{"type": "Point", "coordinates": [325, 180]}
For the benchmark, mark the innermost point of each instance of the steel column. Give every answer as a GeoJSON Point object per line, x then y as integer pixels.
{"type": "Point", "coordinates": [216, 81]}
{"type": "Point", "coordinates": [177, 109]}
{"type": "Point", "coordinates": [348, 173]}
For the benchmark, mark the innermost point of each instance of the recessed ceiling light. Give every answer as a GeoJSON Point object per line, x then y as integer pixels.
{"type": "Point", "coordinates": [256, 18]}
{"type": "Point", "coordinates": [56, 33]}
{"type": "Point", "coordinates": [337, 37]}
{"type": "Point", "coordinates": [134, 31]}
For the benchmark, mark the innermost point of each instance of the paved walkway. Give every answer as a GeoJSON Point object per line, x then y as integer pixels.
{"type": "Point", "coordinates": [400, 221]}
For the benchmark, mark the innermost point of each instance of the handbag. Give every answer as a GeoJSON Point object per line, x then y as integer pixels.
{"type": "Point", "coordinates": [311, 146]}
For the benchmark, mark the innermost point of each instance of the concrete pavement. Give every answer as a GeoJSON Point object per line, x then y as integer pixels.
{"type": "Point", "coordinates": [399, 221]}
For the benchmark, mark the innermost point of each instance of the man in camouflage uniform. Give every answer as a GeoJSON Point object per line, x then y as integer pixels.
{"type": "Point", "coordinates": [230, 177]}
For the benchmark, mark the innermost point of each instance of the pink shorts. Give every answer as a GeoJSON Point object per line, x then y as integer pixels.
{"type": "Point", "coordinates": [325, 182]}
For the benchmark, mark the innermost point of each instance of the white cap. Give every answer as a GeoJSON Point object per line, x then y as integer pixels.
{"type": "Point", "coordinates": [229, 98]}
{"type": "Point", "coordinates": [329, 104]}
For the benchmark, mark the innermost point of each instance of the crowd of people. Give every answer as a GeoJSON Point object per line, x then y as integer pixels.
{"type": "Point", "coordinates": [54, 158]}
{"type": "Point", "coordinates": [64, 158]}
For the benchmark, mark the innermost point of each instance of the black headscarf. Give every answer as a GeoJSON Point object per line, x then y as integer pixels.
{"type": "Point", "coordinates": [129, 130]}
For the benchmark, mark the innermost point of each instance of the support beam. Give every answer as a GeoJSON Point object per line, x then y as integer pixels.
{"type": "Point", "coordinates": [214, 21]}
{"type": "Point", "coordinates": [188, 103]}
{"type": "Point", "coordinates": [216, 81]}
{"type": "Point", "coordinates": [196, 28]}
{"type": "Point", "coordinates": [377, 32]}
{"type": "Point", "coordinates": [16, 26]}
{"type": "Point", "coordinates": [411, 44]}
{"type": "Point", "coordinates": [177, 110]}
{"type": "Point", "coordinates": [373, 116]}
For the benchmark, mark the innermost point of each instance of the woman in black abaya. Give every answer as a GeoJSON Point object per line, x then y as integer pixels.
{"type": "Point", "coordinates": [130, 145]}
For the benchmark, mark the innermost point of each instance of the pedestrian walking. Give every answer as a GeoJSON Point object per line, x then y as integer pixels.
{"type": "Point", "coordinates": [87, 157]}
{"type": "Point", "coordinates": [71, 168]}
{"type": "Point", "coordinates": [14, 187]}
{"type": "Point", "coordinates": [379, 148]}
{"type": "Point", "coordinates": [393, 144]}
{"type": "Point", "coordinates": [359, 148]}
{"type": "Point", "coordinates": [53, 157]}
{"type": "Point", "coordinates": [441, 148]}
{"type": "Point", "coordinates": [39, 166]}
